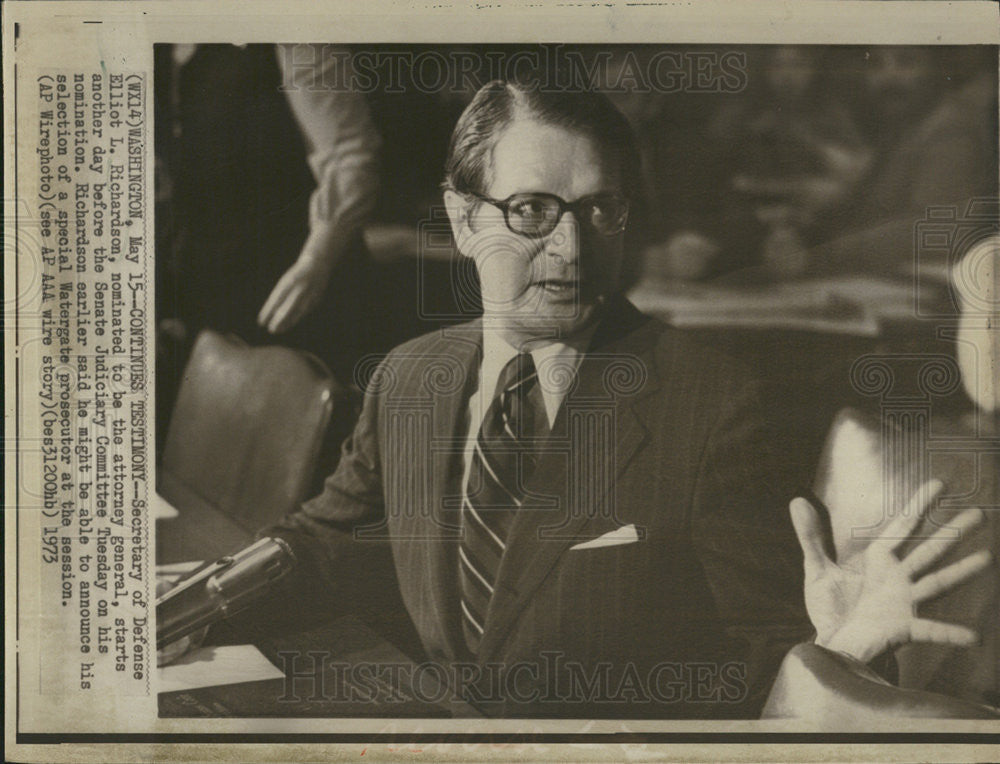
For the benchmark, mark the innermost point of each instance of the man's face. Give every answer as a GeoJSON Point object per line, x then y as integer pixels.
{"type": "Point", "coordinates": [535, 289]}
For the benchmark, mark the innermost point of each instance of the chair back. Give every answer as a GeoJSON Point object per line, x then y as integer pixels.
{"type": "Point", "coordinates": [243, 440]}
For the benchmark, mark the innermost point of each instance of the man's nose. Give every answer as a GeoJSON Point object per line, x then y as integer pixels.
{"type": "Point", "coordinates": [563, 244]}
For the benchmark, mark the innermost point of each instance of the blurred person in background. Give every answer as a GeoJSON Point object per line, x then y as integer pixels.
{"type": "Point", "coordinates": [266, 164]}
{"type": "Point", "coordinates": [772, 161]}
{"type": "Point", "coordinates": [801, 153]}
{"type": "Point", "coordinates": [931, 117]}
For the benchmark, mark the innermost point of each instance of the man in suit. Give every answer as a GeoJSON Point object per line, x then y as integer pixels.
{"type": "Point", "coordinates": [638, 529]}
{"type": "Point", "coordinates": [585, 511]}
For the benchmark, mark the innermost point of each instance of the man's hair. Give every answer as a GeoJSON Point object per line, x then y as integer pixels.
{"type": "Point", "coordinates": [498, 103]}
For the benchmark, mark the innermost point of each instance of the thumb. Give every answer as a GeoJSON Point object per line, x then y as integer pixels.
{"type": "Point", "coordinates": [809, 531]}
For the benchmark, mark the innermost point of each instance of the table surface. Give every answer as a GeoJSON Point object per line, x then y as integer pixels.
{"type": "Point", "coordinates": [344, 669]}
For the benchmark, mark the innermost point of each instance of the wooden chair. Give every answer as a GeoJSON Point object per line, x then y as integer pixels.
{"type": "Point", "coordinates": [242, 446]}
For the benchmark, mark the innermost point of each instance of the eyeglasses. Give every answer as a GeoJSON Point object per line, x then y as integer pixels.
{"type": "Point", "coordinates": [537, 214]}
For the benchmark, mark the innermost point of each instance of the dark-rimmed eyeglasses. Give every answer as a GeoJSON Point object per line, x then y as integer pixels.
{"type": "Point", "coordinates": [537, 214]}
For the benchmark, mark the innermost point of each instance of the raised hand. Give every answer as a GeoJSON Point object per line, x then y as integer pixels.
{"type": "Point", "coordinates": [868, 603]}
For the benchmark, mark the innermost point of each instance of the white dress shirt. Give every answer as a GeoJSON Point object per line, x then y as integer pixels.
{"type": "Point", "coordinates": [556, 364]}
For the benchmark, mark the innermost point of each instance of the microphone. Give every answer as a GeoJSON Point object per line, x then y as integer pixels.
{"type": "Point", "coordinates": [219, 589]}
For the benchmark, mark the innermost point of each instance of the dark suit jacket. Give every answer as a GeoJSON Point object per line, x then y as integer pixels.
{"type": "Point", "coordinates": [657, 432]}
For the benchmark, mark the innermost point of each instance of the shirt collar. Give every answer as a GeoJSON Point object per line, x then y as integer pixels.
{"type": "Point", "coordinates": [556, 364]}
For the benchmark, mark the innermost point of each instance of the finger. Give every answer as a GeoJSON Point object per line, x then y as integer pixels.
{"type": "Point", "coordinates": [300, 304]}
{"type": "Point", "coordinates": [274, 299]}
{"type": "Point", "coordinates": [940, 581]}
{"type": "Point", "coordinates": [308, 299]}
{"type": "Point", "coordinates": [809, 531]}
{"type": "Point", "coordinates": [279, 319]}
{"type": "Point", "coordinates": [932, 548]}
{"type": "Point", "coordinates": [287, 314]}
{"type": "Point", "coordinates": [926, 630]}
{"type": "Point", "coordinates": [907, 520]}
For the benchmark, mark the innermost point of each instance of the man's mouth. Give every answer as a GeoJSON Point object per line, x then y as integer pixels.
{"type": "Point", "coordinates": [559, 286]}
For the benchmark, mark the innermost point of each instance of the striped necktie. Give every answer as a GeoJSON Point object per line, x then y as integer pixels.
{"type": "Point", "coordinates": [501, 464]}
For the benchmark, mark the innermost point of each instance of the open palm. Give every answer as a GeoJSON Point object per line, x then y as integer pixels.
{"type": "Point", "coordinates": [867, 603]}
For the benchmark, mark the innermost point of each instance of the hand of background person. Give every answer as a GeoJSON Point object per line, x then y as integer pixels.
{"type": "Point", "coordinates": [868, 604]}
{"type": "Point", "coordinates": [297, 292]}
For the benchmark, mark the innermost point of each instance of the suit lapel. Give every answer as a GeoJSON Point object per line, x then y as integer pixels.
{"type": "Point", "coordinates": [596, 434]}
{"type": "Point", "coordinates": [427, 537]}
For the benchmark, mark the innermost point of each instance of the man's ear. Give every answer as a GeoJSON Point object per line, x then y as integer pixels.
{"type": "Point", "coordinates": [458, 209]}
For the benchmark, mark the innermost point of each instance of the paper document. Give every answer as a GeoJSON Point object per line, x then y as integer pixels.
{"type": "Point", "coordinates": [211, 666]}
{"type": "Point", "coordinates": [161, 509]}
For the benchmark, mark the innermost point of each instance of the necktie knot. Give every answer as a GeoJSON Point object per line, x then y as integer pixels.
{"type": "Point", "coordinates": [518, 371]}
{"type": "Point", "coordinates": [517, 404]}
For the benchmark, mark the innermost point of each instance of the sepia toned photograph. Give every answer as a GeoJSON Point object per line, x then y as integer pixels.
{"type": "Point", "coordinates": [520, 381]}
{"type": "Point", "coordinates": [610, 382]}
